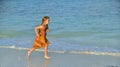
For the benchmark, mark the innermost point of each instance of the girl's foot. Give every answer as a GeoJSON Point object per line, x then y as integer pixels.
{"type": "Point", "coordinates": [47, 57]}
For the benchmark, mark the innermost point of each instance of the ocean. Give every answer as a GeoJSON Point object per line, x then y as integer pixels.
{"type": "Point", "coordinates": [76, 25]}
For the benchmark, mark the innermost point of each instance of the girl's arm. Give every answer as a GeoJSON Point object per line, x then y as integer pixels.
{"type": "Point", "coordinates": [36, 30]}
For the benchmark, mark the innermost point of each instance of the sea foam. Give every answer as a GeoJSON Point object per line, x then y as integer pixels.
{"type": "Point", "coordinates": [71, 52]}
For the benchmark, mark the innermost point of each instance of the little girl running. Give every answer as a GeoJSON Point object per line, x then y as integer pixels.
{"type": "Point", "coordinates": [41, 40]}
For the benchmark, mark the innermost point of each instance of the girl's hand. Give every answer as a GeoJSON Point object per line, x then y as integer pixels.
{"type": "Point", "coordinates": [48, 30]}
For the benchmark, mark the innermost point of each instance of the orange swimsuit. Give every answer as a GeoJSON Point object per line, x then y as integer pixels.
{"type": "Point", "coordinates": [41, 40]}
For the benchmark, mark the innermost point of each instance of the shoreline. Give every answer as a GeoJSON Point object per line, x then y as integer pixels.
{"type": "Point", "coordinates": [64, 51]}
{"type": "Point", "coordinates": [17, 58]}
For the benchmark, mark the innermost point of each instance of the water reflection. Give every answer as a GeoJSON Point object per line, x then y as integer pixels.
{"type": "Point", "coordinates": [46, 63]}
{"type": "Point", "coordinates": [42, 63]}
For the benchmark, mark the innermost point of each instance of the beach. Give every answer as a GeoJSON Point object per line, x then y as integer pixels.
{"type": "Point", "coordinates": [17, 58]}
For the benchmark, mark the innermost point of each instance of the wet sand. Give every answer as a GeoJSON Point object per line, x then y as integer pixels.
{"type": "Point", "coordinates": [17, 58]}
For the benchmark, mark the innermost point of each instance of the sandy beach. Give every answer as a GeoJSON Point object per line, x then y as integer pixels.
{"type": "Point", "coordinates": [17, 58]}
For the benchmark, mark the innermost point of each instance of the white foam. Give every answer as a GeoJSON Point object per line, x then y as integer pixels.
{"type": "Point", "coordinates": [71, 52]}
{"type": "Point", "coordinates": [13, 47]}
{"type": "Point", "coordinates": [57, 51]}
{"type": "Point", "coordinates": [20, 48]}
{"type": "Point", "coordinates": [96, 53]}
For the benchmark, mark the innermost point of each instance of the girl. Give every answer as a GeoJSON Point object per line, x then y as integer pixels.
{"type": "Point", "coordinates": [41, 40]}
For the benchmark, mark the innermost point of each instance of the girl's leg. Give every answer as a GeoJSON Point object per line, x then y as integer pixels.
{"type": "Point", "coordinates": [30, 51]}
{"type": "Point", "coordinates": [46, 52]}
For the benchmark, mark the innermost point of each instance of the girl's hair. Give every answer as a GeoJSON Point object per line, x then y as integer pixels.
{"type": "Point", "coordinates": [44, 18]}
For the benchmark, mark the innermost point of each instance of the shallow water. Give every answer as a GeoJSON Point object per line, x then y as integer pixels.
{"type": "Point", "coordinates": [79, 25]}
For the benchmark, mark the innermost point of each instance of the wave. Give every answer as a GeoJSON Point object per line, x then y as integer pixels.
{"type": "Point", "coordinates": [20, 48]}
{"type": "Point", "coordinates": [70, 52]}
{"type": "Point", "coordinates": [96, 53]}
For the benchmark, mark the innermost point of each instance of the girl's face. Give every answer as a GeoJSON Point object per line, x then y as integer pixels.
{"type": "Point", "coordinates": [47, 21]}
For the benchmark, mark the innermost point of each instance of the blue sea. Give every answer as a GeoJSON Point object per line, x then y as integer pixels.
{"type": "Point", "coordinates": [76, 25]}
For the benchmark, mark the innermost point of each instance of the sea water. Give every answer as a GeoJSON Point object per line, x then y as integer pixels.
{"type": "Point", "coordinates": [76, 25]}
